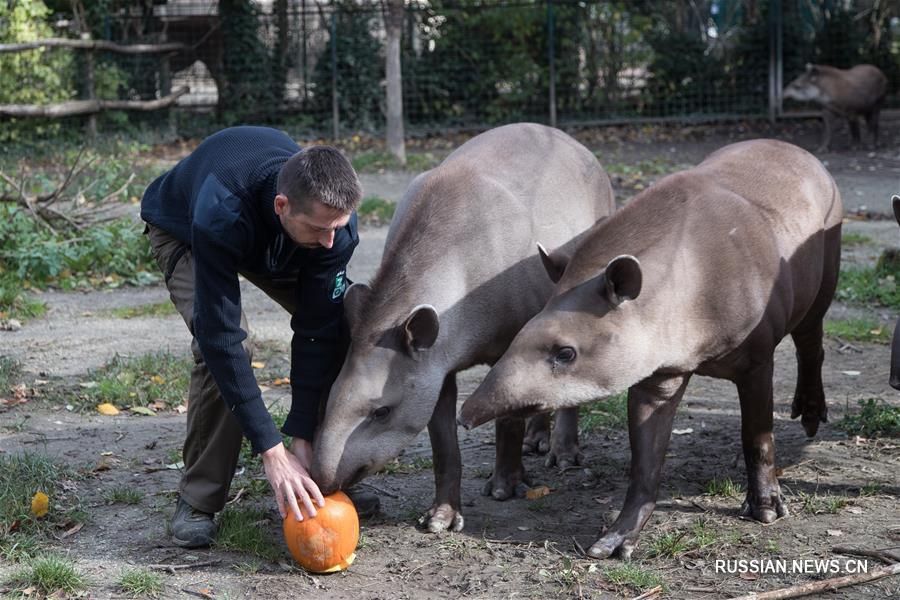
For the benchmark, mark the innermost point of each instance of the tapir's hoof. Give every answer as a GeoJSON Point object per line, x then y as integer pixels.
{"type": "Point", "coordinates": [811, 422]}
{"type": "Point", "coordinates": [442, 517]}
{"type": "Point", "coordinates": [765, 512]}
{"type": "Point", "coordinates": [610, 544]}
{"type": "Point", "coordinates": [504, 488]}
{"type": "Point", "coordinates": [564, 459]}
{"type": "Point", "coordinates": [538, 443]}
{"type": "Point", "coordinates": [813, 413]}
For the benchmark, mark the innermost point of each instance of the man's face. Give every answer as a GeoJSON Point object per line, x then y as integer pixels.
{"type": "Point", "coordinates": [313, 228]}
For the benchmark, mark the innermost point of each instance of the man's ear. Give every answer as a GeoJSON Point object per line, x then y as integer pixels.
{"type": "Point", "coordinates": [622, 279]}
{"type": "Point", "coordinates": [281, 204]}
{"type": "Point", "coordinates": [421, 327]}
{"type": "Point", "coordinates": [554, 263]}
{"type": "Point", "coordinates": [354, 298]}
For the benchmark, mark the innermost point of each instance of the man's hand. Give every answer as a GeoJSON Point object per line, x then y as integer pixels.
{"type": "Point", "coordinates": [290, 480]}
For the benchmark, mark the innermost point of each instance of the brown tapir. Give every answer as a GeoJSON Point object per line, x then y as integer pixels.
{"type": "Point", "coordinates": [850, 93]}
{"type": "Point", "coordinates": [895, 342]}
{"type": "Point", "coordinates": [704, 272]}
{"type": "Point", "coordinates": [458, 278]}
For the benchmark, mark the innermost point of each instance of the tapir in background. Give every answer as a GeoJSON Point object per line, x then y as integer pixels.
{"type": "Point", "coordinates": [458, 279]}
{"type": "Point", "coordinates": [704, 272]}
{"type": "Point", "coordinates": [895, 342]}
{"type": "Point", "coordinates": [850, 93]}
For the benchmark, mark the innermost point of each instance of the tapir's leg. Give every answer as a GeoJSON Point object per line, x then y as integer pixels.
{"type": "Point", "coordinates": [564, 451]}
{"type": "Point", "coordinates": [853, 120]}
{"type": "Point", "coordinates": [828, 123]}
{"type": "Point", "coordinates": [895, 358]}
{"type": "Point", "coordinates": [445, 512]}
{"type": "Point", "coordinates": [809, 395]}
{"type": "Point", "coordinates": [537, 434]}
{"type": "Point", "coordinates": [764, 501]}
{"type": "Point", "coordinates": [509, 478]}
{"type": "Point", "coordinates": [872, 125]}
{"type": "Point", "coordinates": [651, 410]}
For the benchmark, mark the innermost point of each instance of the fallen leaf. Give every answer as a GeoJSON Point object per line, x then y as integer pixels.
{"type": "Point", "coordinates": [40, 504]}
{"type": "Point", "coordinates": [157, 380]}
{"type": "Point", "coordinates": [158, 405]}
{"type": "Point", "coordinates": [682, 431]}
{"type": "Point", "coordinates": [88, 384]}
{"type": "Point", "coordinates": [106, 454]}
{"type": "Point", "coordinates": [851, 373]}
{"type": "Point", "coordinates": [72, 531]}
{"type": "Point", "coordinates": [107, 409]}
{"type": "Point", "coordinates": [603, 499]}
{"type": "Point", "coordinates": [855, 510]}
{"type": "Point", "coordinates": [282, 381]}
{"type": "Point", "coordinates": [176, 465]}
{"type": "Point", "coordinates": [257, 364]}
{"type": "Point", "coordinates": [538, 492]}
{"type": "Point", "coordinates": [181, 409]}
{"type": "Point", "coordinates": [522, 528]}
{"type": "Point", "coordinates": [749, 576]}
{"type": "Point", "coordinates": [834, 532]}
{"type": "Point", "coordinates": [142, 410]}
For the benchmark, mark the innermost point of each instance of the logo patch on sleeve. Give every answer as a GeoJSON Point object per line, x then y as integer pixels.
{"type": "Point", "coordinates": [338, 285]}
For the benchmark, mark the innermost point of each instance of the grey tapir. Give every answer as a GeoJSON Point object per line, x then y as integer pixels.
{"type": "Point", "coordinates": [850, 93]}
{"type": "Point", "coordinates": [458, 278]}
{"type": "Point", "coordinates": [895, 342]}
{"type": "Point", "coordinates": [704, 272]}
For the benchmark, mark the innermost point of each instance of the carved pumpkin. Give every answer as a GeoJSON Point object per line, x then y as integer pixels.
{"type": "Point", "coordinates": [327, 542]}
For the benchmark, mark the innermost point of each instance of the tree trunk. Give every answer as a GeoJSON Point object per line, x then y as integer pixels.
{"type": "Point", "coordinates": [394, 27]}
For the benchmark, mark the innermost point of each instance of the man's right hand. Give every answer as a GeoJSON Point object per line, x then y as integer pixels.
{"type": "Point", "coordinates": [290, 480]}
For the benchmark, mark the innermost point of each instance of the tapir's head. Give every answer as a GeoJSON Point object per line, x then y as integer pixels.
{"type": "Point", "coordinates": [806, 87]}
{"type": "Point", "coordinates": [587, 343]}
{"type": "Point", "coordinates": [386, 391]}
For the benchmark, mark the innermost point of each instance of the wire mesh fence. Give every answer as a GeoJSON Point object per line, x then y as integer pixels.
{"type": "Point", "coordinates": [320, 65]}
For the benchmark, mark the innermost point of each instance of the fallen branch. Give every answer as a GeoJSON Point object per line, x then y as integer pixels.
{"type": "Point", "coordinates": [651, 593]}
{"type": "Point", "coordinates": [172, 568]}
{"type": "Point", "coordinates": [94, 45]}
{"type": "Point", "coordinates": [379, 490]}
{"type": "Point", "coordinates": [884, 556]}
{"type": "Point", "coordinates": [88, 107]}
{"type": "Point", "coordinates": [826, 585]}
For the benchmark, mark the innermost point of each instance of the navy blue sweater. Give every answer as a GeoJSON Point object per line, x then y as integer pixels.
{"type": "Point", "coordinates": [219, 202]}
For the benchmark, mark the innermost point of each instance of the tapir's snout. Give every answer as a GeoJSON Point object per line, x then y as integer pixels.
{"type": "Point", "coordinates": [475, 411]}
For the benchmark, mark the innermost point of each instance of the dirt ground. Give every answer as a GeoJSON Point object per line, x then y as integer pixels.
{"type": "Point", "coordinates": [519, 548]}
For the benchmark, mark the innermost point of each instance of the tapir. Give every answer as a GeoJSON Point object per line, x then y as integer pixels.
{"type": "Point", "coordinates": [850, 93]}
{"type": "Point", "coordinates": [458, 279]}
{"type": "Point", "coordinates": [895, 341]}
{"type": "Point", "coordinates": [702, 273]}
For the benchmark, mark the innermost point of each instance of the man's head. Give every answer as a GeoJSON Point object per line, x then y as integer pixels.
{"type": "Point", "coordinates": [316, 192]}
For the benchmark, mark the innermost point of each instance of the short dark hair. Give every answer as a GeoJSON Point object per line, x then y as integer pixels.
{"type": "Point", "coordinates": [321, 174]}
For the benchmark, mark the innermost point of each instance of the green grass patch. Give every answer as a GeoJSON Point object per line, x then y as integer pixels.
{"type": "Point", "coordinates": [416, 465]}
{"type": "Point", "coordinates": [9, 372]}
{"type": "Point", "coordinates": [870, 489]}
{"type": "Point", "coordinates": [123, 495]}
{"type": "Point", "coordinates": [376, 211]}
{"type": "Point", "coordinates": [137, 381]}
{"type": "Point", "coordinates": [815, 504]}
{"type": "Point", "coordinates": [865, 286]}
{"type": "Point", "coordinates": [156, 309]}
{"type": "Point", "coordinates": [243, 529]}
{"type": "Point", "coordinates": [855, 239]}
{"type": "Point", "coordinates": [21, 477]}
{"type": "Point", "coordinates": [16, 303]}
{"type": "Point", "coordinates": [669, 545]}
{"type": "Point", "coordinates": [722, 487]}
{"type": "Point", "coordinates": [375, 161]}
{"type": "Point", "coordinates": [140, 582]}
{"type": "Point", "coordinates": [876, 418]}
{"type": "Point", "coordinates": [48, 574]}
{"type": "Point", "coordinates": [632, 576]}
{"type": "Point", "coordinates": [648, 166]}
{"type": "Point", "coordinates": [610, 413]}
{"type": "Point", "coordinates": [859, 330]}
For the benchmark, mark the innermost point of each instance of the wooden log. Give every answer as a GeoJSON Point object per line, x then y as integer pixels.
{"type": "Point", "coordinates": [94, 45]}
{"type": "Point", "coordinates": [87, 107]}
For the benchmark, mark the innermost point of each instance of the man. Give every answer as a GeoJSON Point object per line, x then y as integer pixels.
{"type": "Point", "coordinates": [249, 201]}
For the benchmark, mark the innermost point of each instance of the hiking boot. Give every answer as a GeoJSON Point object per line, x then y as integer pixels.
{"type": "Point", "coordinates": [192, 528]}
{"type": "Point", "coordinates": [367, 504]}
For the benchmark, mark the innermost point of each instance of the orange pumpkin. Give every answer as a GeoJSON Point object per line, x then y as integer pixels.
{"type": "Point", "coordinates": [327, 542]}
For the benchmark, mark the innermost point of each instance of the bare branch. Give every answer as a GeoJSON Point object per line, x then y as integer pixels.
{"type": "Point", "coordinates": [94, 45]}
{"type": "Point", "coordinates": [87, 107]}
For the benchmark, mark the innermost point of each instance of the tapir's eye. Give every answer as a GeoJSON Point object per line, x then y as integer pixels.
{"type": "Point", "coordinates": [381, 412]}
{"type": "Point", "coordinates": [565, 355]}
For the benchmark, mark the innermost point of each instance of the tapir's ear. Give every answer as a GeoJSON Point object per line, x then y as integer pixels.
{"type": "Point", "coordinates": [554, 264]}
{"type": "Point", "coordinates": [354, 298]}
{"type": "Point", "coordinates": [895, 201]}
{"type": "Point", "coordinates": [622, 279]}
{"type": "Point", "coordinates": [420, 329]}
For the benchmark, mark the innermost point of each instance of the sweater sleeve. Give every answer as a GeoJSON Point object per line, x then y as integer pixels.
{"type": "Point", "coordinates": [317, 351]}
{"type": "Point", "coordinates": [217, 325]}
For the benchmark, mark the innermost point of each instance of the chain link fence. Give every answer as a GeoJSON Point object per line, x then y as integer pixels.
{"type": "Point", "coordinates": [318, 67]}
